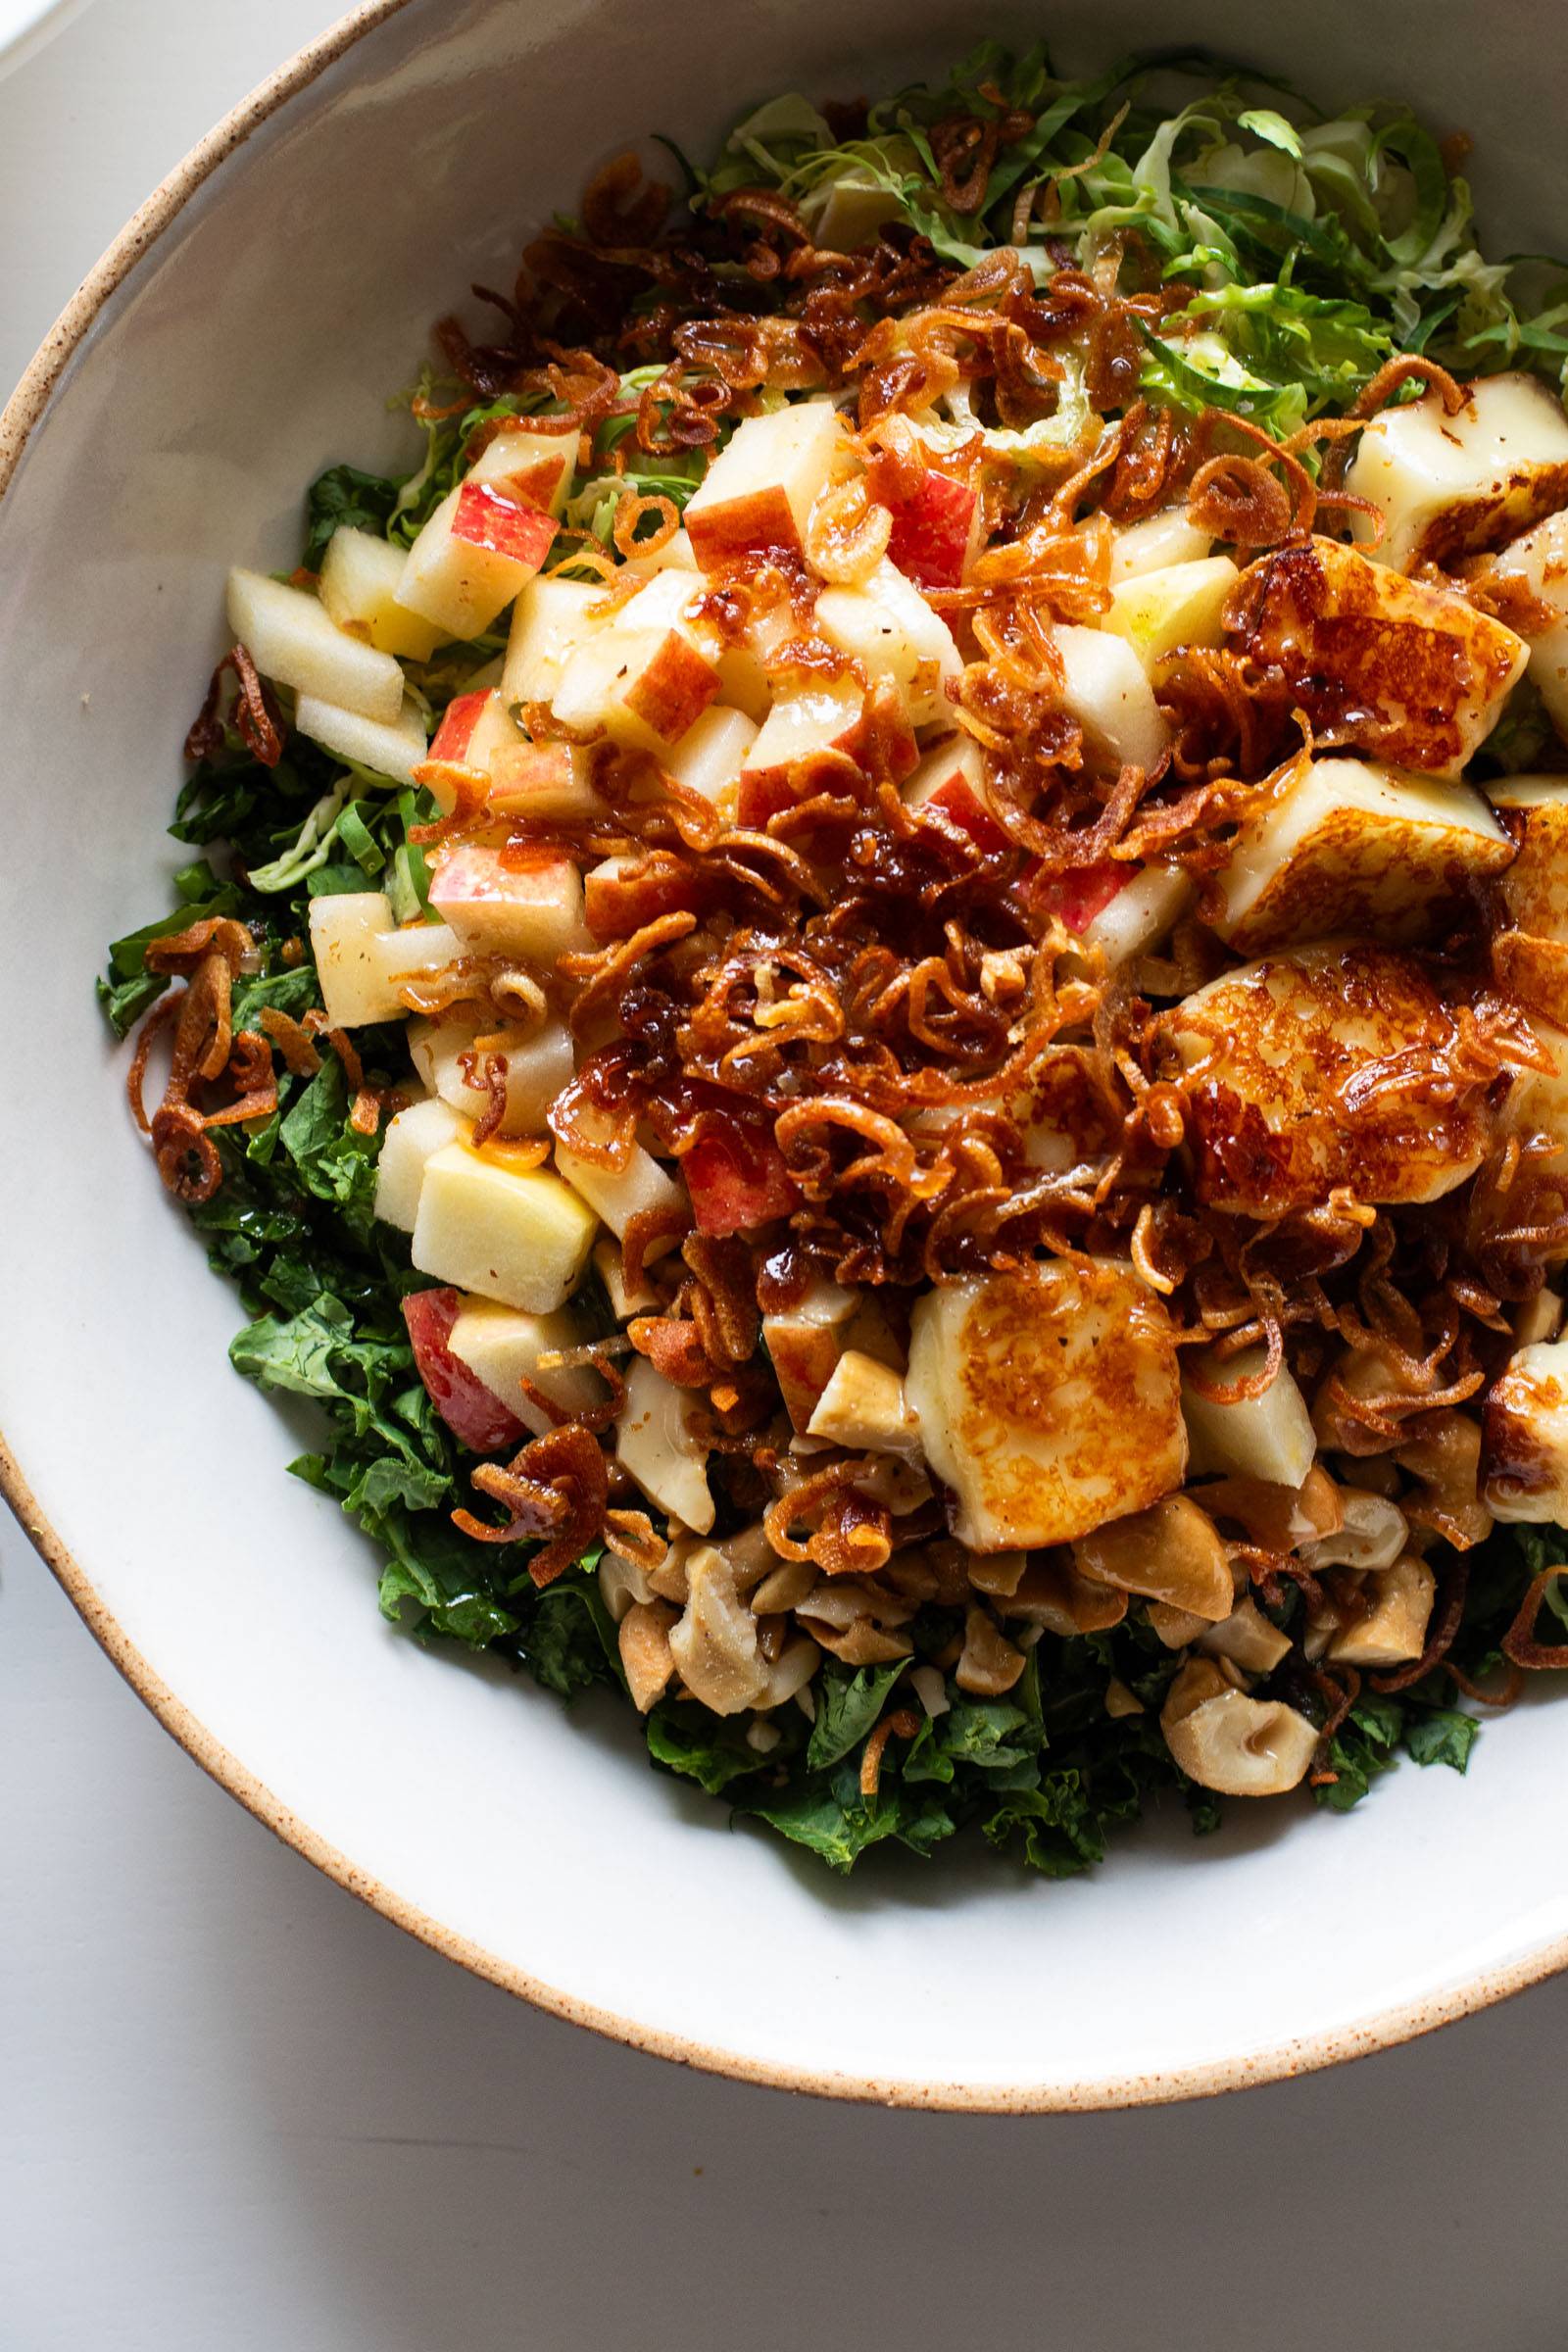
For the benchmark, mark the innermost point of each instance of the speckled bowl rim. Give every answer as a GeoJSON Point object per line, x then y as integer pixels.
{"type": "Point", "coordinates": [1280, 2063]}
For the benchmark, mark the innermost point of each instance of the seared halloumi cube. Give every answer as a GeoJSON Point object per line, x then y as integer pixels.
{"type": "Point", "coordinates": [1447, 485]}
{"type": "Point", "coordinates": [1269, 1435]}
{"type": "Point", "coordinates": [1344, 844]}
{"type": "Point", "coordinates": [1535, 889]}
{"type": "Point", "coordinates": [1381, 665]}
{"type": "Point", "coordinates": [1047, 1400]}
{"type": "Point", "coordinates": [1525, 1436]}
{"type": "Point", "coordinates": [1538, 1099]}
{"type": "Point", "coordinates": [514, 1233]}
{"type": "Point", "coordinates": [656, 1446]}
{"type": "Point", "coordinates": [1537, 565]}
{"type": "Point", "coordinates": [1319, 1068]}
{"type": "Point", "coordinates": [1530, 959]}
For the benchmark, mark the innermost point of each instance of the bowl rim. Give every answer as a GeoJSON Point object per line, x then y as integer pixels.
{"type": "Point", "coordinates": [1282, 2060]}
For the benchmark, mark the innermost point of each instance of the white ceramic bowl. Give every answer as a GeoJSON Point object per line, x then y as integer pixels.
{"type": "Point", "coordinates": [240, 335]}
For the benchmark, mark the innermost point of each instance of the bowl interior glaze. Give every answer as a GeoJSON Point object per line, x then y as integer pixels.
{"type": "Point", "coordinates": [277, 301]}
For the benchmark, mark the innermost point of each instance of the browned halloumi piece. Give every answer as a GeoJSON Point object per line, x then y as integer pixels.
{"type": "Point", "coordinates": [1049, 1400]}
{"type": "Point", "coordinates": [1349, 845]}
{"type": "Point", "coordinates": [1405, 673]}
{"type": "Point", "coordinates": [1447, 485]}
{"type": "Point", "coordinates": [1334, 1064]}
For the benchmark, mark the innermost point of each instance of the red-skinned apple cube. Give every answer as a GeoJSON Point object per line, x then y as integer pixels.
{"type": "Point", "coordinates": [531, 466]}
{"type": "Point", "coordinates": [544, 780]}
{"type": "Point", "coordinates": [622, 893]}
{"type": "Point", "coordinates": [1080, 892]}
{"type": "Point", "coordinates": [756, 495]}
{"type": "Point", "coordinates": [737, 1180]}
{"type": "Point", "coordinates": [474, 728]}
{"type": "Point", "coordinates": [477, 549]}
{"type": "Point", "coordinates": [936, 530]}
{"type": "Point", "coordinates": [952, 779]}
{"type": "Point", "coordinates": [532, 912]}
{"type": "Point", "coordinates": [644, 688]}
{"type": "Point", "coordinates": [474, 1413]}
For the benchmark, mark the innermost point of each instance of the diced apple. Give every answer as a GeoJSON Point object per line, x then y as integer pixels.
{"type": "Point", "coordinates": [539, 1063]}
{"type": "Point", "coordinates": [1269, 1435]}
{"type": "Point", "coordinates": [532, 912]}
{"type": "Point", "coordinates": [1538, 563]}
{"type": "Point", "coordinates": [395, 751]}
{"type": "Point", "coordinates": [473, 729]}
{"type": "Point", "coordinates": [413, 952]}
{"type": "Point", "coordinates": [865, 1406]}
{"type": "Point", "coordinates": [936, 528]}
{"type": "Point", "coordinates": [344, 928]}
{"type": "Point", "coordinates": [737, 1180]}
{"type": "Point", "coordinates": [805, 1341]}
{"type": "Point", "coordinates": [675, 555]}
{"type": "Point", "coordinates": [759, 490]}
{"type": "Point", "coordinates": [551, 619]}
{"type": "Point", "coordinates": [889, 628]}
{"type": "Point", "coordinates": [669, 602]}
{"type": "Point", "coordinates": [1525, 1434]}
{"type": "Point", "coordinates": [710, 756]}
{"type": "Point", "coordinates": [360, 576]}
{"type": "Point", "coordinates": [1158, 544]}
{"type": "Point", "coordinates": [472, 558]}
{"type": "Point", "coordinates": [1387, 667]}
{"type": "Point", "coordinates": [519, 1234]}
{"type": "Point", "coordinates": [1298, 1079]}
{"type": "Point", "coordinates": [292, 638]}
{"type": "Point", "coordinates": [536, 469]}
{"type": "Point", "coordinates": [611, 1268]}
{"type": "Point", "coordinates": [750, 669]}
{"type": "Point", "coordinates": [802, 723]}
{"type": "Point", "coordinates": [618, 1195]}
{"type": "Point", "coordinates": [1047, 1400]}
{"type": "Point", "coordinates": [474, 1414]}
{"type": "Point", "coordinates": [1449, 485]}
{"type": "Point", "coordinates": [644, 688]}
{"type": "Point", "coordinates": [1138, 919]}
{"type": "Point", "coordinates": [951, 780]}
{"type": "Point", "coordinates": [854, 211]}
{"type": "Point", "coordinates": [1175, 605]}
{"type": "Point", "coordinates": [623, 893]}
{"type": "Point", "coordinates": [544, 781]}
{"type": "Point", "coordinates": [1107, 690]}
{"type": "Point", "coordinates": [413, 1137]}
{"type": "Point", "coordinates": [501, 1346]}
{"type": "Point", "coordinates": [654, 1444]}
{"type": "Point", "coordinates": [1347, 844]}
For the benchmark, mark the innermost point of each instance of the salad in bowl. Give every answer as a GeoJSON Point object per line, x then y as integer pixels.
{"type": "Point", "coordinates": [868, 987]}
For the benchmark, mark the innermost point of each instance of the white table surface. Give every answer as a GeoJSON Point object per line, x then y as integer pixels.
{"type": "Point", "coordinates": [238, 2113]}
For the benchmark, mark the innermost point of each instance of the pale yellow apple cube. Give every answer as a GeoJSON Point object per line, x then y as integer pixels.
{"type": "Point", "coordinates": [517, 1235]}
